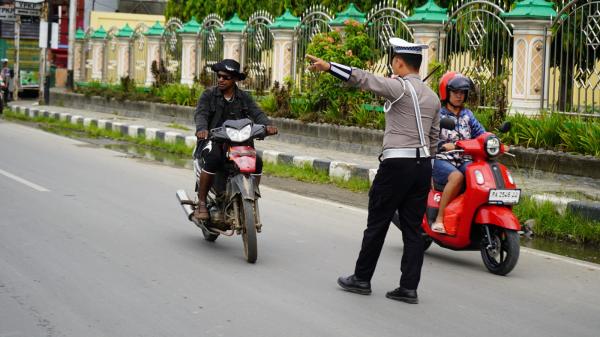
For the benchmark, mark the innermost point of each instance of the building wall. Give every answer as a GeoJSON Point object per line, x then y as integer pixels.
{"type": "Point", "coordinates": [108, 20]}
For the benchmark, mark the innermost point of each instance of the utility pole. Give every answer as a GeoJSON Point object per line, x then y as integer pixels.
{"type": "Point", "coordinates": [48, 51]}
{"type": "Point", "coordinates": [44, 33]}
{"type": "Point", "coordinates": [71, 52]}
{"type": "Point", "coordinates": [17, 79]}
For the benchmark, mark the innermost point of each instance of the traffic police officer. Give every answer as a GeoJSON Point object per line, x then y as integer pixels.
{"type": "Point", "coordinates": [403, 179]}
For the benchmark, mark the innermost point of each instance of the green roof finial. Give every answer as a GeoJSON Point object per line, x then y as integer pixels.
{"type": "Point", "coordinates": [235, 24]}
{"type": "Point", "coordinates": [126, 31]}
{"type": "Point", "coordinates": [286, 21]}
{"type": "Point", "coordinates": [350, 13]}
{"type": "Point", "coordinates": [531, 9]}
{"type": "Point", "coordinates": [428, 13]}
{"type": "Point", "coordinates": [155, 30]}
{"type": "Point", "coordinates": [190, 27]}
{"type": "Point", "coordinates": [79, 34]}
{"type": "Point", "coordinates": [99, 34]}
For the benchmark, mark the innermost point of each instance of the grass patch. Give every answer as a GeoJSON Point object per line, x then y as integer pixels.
{"type": "Point", "coordinates": [92, 131]}
{"type": "Point", "coordinates": [178, 126]}
{"type": "Point", "coordinates": [311, 175]}
{"type": "Point", "coordinates": [551, 224]}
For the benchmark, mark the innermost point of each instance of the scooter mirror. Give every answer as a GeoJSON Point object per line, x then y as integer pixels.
{"type": "Point", "coordinates": [447, 123]}
{"type": "Point", "coordinates": [505, 127]}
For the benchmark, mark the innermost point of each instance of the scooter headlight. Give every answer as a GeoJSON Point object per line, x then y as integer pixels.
{"type": "Point", "coordinates": [492, 146]}
{"type": "Point", "coordinates": [239, 136]}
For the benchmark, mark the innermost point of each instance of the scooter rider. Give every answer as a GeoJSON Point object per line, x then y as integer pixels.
{"type": "Point", "coordinates": [404, 175]}
{"type": "Point", "coordinates": [219, 103]}
{"type": "Point", "coordinates": [449, 168]}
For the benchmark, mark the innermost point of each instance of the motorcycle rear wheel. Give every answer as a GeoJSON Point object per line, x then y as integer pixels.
{"type": "Point", "coordinates": [248, 230]}
{"type": "Point", "coordinates": [503, 258]}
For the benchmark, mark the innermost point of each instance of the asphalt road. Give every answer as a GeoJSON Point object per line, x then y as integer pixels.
{"type": "Point", "coordinates": [93, 243]}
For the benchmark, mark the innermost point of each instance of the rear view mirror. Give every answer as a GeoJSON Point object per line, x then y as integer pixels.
{"type": "Point", "coordinates": [505, 127]}
{"type": "Point", "coordinates": [448, 123]}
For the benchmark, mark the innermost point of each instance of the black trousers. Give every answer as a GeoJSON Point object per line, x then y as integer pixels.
{"type": "Point", "coordinates": [400, 184]}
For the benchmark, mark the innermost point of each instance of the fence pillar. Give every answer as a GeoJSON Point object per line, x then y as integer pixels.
{"type": "Point", "coordinates": [78, 61]}
{"type": "Point", "coordinates": [531, 52]}
{"type": "Point", "coordinates": [189, 36]}
{"type": "Point", "coordinates": [427, 23]}
{"type": "Point", "coordinates": [153, 36]}
{"type": "Point", "coordinates": [123, 36]}
{"type": "Point", "coordinates": [98, 45]}
{"type": "Point", "coordinates": [283, 44]}
{"type": "Point", "coordinates": [232, 38]}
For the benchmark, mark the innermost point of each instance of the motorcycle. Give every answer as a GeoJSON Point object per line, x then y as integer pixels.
{"type": "Point", "coordinates": [480, 218]}
{"type": "Point", "coordinates": [233, 199]}
{"type": "Point", "coordinates": [2, 88]}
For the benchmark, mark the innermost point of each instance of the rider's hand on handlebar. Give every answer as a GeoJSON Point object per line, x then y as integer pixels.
{"type": "Point", "coordinates": [202, 134]}
{"type": "Point", "coordinates": [271, 130]}
{"type": "Point", "coordinates": [448, 147]}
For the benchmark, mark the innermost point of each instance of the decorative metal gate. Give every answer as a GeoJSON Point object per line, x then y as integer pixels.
{"type": "Point", "coordinates": [110, 57]}
{"type": "Point", "coordinates": [257, 48]}
{"type": "Point", "coordinates": [383, 22]}
{"type": "Point", "coordinates": [479, 45]}
{"type": "Point", "coordinates": [138, 48]}
{"type": "Point", "coordinates": [170, 49]}
{"type": "Point", "coordinates": [573, 84]}
{"type": "Point", "coordinates": [87, 64]}
{"type": "Point", "coordinates": [315, 20]}
{"type": "Point", "coordinates": [211, 49]}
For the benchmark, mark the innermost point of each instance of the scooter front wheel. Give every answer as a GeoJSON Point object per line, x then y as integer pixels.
{"type": "Point", "coordinates": [248, 230]}
{"type": "Point", "coordinates": [500, 252]}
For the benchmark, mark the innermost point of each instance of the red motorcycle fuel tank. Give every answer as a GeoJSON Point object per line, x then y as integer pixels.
{"type": "Point", "coordinates": [244, 157]}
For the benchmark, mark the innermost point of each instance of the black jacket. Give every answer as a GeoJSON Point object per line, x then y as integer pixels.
{"type": "Point", "coordinates": [210, 109]}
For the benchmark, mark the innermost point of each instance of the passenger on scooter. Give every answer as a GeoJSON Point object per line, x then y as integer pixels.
{"type": "Point", "coordinates": [219, 103]}
{"type": "Point", "coordinates": [449, 168]}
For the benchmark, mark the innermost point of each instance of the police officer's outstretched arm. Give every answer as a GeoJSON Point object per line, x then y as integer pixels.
{"type": "Point", "coordinates": [202, 115]}
{"type": "Point", "coordinates": [382, 86]}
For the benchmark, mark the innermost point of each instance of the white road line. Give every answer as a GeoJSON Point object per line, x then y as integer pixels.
{"type": "Point", "coordinates": [24, 182]}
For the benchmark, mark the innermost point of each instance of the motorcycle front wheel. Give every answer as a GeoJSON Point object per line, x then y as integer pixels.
{"type": "Point", "coordinates": [248, 230]}
{"type": "Point", "coordinates": [502, 255]}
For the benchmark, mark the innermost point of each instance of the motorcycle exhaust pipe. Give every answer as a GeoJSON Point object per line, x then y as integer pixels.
{"type": "Point", "coordinates": [186, 203]}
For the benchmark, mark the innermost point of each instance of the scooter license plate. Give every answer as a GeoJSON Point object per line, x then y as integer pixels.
{"type": "Point", "coordinates": [504, 197]}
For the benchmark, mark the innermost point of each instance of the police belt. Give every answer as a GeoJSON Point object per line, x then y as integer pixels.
{"type": "Point", "coordinates": [421, 152]}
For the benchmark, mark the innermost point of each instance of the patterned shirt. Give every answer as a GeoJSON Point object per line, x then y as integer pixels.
{"type": "Point", "coordinates": [467, 127]}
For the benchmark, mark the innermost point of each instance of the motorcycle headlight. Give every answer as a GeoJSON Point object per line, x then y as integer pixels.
{"type": "Point", "coordinates": [492, 146]}
{"type": "Point", "coordinates": [239, 136]}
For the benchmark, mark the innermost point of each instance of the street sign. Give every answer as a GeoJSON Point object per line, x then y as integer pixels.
{"type": "Point", "coordinates": [28, 7]}
{"type": "Point", "coordinates": [7, 13]}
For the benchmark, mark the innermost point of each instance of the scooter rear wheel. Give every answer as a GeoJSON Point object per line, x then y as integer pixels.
{"type": "Point", "coordinates": [502, 257]}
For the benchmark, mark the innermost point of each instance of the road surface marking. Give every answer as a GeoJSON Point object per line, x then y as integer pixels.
{"type": "Point", "coordinates": [24, 182]}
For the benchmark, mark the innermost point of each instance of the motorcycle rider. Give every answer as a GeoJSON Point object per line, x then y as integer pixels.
{"type": "Point", "coordinates": [225, 101]}
{"type": "Point", "coordinates": [5, 73]}
{"type": "Point", "coordinates": [449, 168]}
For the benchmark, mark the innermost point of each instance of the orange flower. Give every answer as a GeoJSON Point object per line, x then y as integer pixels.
{"type": "Point", "coordinates": [349, 52]}
{"type": "Point", "coordinates": [330, 39]}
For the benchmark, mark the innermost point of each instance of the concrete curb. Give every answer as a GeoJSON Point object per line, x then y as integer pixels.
{"type": "Point", "coordinates": [335, 169]}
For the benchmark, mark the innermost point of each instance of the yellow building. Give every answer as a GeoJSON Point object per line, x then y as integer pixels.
{"type": "Point", "coordinates": [118, 20]}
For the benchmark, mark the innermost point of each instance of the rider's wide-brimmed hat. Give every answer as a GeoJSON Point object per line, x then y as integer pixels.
{"type": "Point", "coordinates": [230, 66]}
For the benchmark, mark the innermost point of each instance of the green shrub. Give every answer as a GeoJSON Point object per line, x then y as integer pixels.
{"type": "Point", "coordinates": [328, 96]}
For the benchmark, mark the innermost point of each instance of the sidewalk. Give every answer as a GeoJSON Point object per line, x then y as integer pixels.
{"type": "Point", "coordinates": [557, 188]}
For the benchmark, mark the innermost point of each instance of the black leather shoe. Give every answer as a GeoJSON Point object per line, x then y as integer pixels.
{"type": "Point", "coordinates": [404, 295]}
{"type": "Point", "coordinates": [354, 285]}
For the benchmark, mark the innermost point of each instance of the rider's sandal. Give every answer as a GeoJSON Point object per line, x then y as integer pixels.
{"type": "Point", "coordinates": [201, 212]}
{"type": "Point", "coordinates": [438, 227]}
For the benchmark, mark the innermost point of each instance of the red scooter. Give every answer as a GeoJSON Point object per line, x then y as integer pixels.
{"type": "Point", "coordinates": [481, 218]}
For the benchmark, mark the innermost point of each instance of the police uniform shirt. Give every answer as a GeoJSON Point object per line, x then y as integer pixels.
{"type": "Point", "coordinates": [400, 120]}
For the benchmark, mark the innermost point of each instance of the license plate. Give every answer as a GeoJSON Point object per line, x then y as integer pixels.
{"type": "Point", "coordinates": [504, 197]}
